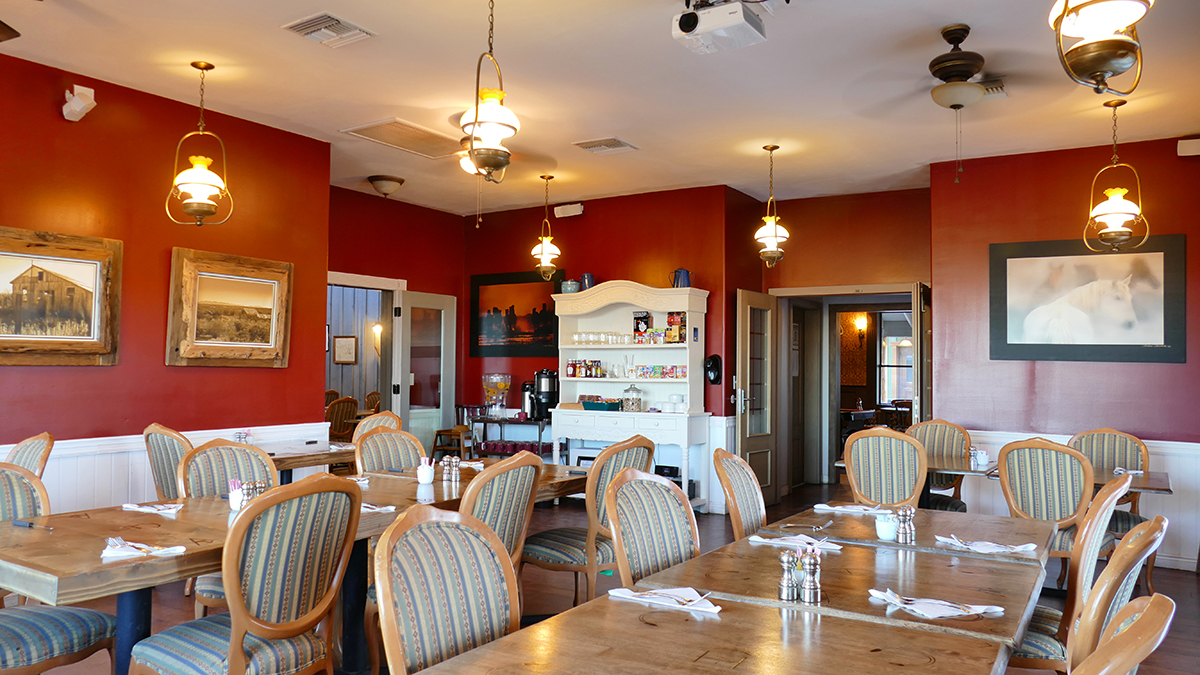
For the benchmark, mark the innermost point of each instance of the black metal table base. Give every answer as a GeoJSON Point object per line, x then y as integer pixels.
{"type": "Point", "coordinates": [354, 607]}
{"type": "Point", "coordinates": [134, 612]}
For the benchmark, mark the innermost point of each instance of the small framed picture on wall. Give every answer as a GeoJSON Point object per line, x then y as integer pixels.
{"type": "Point", "coordinates": [345, 350]}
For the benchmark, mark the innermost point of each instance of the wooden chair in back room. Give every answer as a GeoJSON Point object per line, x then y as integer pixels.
{"type": "Point", "coordinates": [331, 395]}
{"type": "Point", "coordinates": [374, 400]}
{"type": "Point", "coordinates": [341, 414]}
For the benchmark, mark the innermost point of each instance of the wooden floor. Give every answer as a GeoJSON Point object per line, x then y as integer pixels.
{"type": "Point", "coordinates": [551, 592]}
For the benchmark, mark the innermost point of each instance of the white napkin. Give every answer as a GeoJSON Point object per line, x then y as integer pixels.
{"type": "Point", "coordinates": [341, 446]}
{"type": "Point", "coordinates": [362, 481]}
{"type": "Point", "coordinates": [930, 608]}
{"type": "Point", "coordinates": [1132, 472]}
{"type": "Point", "coordinates": [473, 464]}
{"type": "Point", "coordinates": [161, 509]}
{"type": "Point", "coordinates": [371, 508]}
{"type": "Point", "coordinates": [796, 540]}
{"type": "Point", "coordinates": [134, 550]}
{"type": "Point", "coordinates": [666, 597]}
{"type": "Point", "coordinates": [984, 546]}
{"type": "Point", "coordinates": [856, 509]}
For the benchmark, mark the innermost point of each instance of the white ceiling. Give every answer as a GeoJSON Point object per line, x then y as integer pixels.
{"type": "Point", "coordinates": [841, 85]}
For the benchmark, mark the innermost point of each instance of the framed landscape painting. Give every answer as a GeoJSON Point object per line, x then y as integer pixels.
{"type": "Point", "coordinates": [228, 310]}
{"type": "Point", "coordinates": [59, 299]}
{"type": "Point", "coordinates": [513, 314]}
{"type": "Point", "coordinates": [1058, 301]}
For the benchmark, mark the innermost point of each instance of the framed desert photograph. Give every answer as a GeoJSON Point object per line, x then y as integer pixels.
{"type": "Point", "coordinates": [228, 310]}
{"type": "Point", "coordinates": [513, 314]}
{"type": "Point", "coordinates": [345, 350]}
{"type": "Point", "coordinates": [1057, 301]}
{"type": "Point", "coordinates": [59, 298]}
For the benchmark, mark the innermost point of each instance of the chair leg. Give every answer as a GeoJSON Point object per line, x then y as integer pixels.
{"type": "Point", "coordinates": [1062, 574]}
{"type": "Point", "coordinates": [575, 600]}
{"type": "Point", "coordinates": [591, 588]}
{"type": "Point", "coordinates": [201, 610]}
{"type": "Point", "coordinates": [1150, 573]}
{"type": "Point", "coordinates": [188, 587]}
{"type": "Point", "coordinates": [371, 626]}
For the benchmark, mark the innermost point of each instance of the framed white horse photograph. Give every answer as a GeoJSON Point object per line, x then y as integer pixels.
{"type": "Point", "coordinates": [1057, 301]}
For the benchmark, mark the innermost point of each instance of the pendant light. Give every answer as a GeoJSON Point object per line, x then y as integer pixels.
{"type": "Point", "coordinates": [487, 123]}
{"type": "Point", "coordinates": [771, 234]}
{"type": "Point", "coordinates": [1114, 218]}
{"type": "Point", "coordinates": [199, 186]}
{"type": "Point", "coordinates": [1108, 43]}
{"type": "Point", "coordinates": [545, 251]}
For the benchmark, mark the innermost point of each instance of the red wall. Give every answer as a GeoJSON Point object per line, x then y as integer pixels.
{"type": "Point", "coordinates": [107, 176]}
{"type": "Point", "coordinates": [1041, 196]}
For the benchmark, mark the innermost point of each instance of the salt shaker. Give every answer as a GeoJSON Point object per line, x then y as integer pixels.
{"type": "Point", "coordinates": [810, 576]}
{"type": "Point", "coordinates": [788, 588]}
{"type": "Point", "coordinates": [455, 465]}
{"type": "Point", "coordinates": [906, 533]}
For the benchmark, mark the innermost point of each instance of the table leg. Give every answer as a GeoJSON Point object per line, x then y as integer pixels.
{"type": "Point", "coordinates": [133, 625]}
{"type": "Point", "coordinates": [285, 477]}
{"type": "Point", "coordinates": [924, 500]}
{"type": "Point", "coordinates": [354, 604]}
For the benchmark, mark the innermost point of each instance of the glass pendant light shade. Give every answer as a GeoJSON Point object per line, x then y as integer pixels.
{"type": "Point", "coordinates": [771, 234]}
{"type": "Point", "coordinates": [1116, 210]}
{"type": "Point", "coordinates": [1108, 43]}
{"type": "Point", "coordinates": [199, 187]}
{"type": "Point", "coordinates": [495, 122]}
{"type": "Point", "coordinates": [955, 95]}
{"type": "Point", "coordinates": [1089, 19]}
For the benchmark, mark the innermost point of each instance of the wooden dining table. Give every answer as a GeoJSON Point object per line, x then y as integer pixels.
{"type": "Point", "coordinates": [63, 565]}
{"type": "Point", "coordinates": [299, 454]}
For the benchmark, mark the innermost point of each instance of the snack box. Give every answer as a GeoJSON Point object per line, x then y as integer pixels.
{"type": "Point", "coordinates": [642, 322]}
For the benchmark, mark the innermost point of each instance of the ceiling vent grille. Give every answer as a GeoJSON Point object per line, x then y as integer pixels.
{"type": "Point", "coordinates": [329, 30]}
{"type": "Point", "coordinates": [606, 146]}
{"type": "Point", "coordinates": [993, 89]}
{"type": "Point", "coordinates": [408, 137]}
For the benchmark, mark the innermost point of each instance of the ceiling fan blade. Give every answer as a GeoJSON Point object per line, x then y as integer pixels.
{"type": "Point", "coordinates": [7, 32]}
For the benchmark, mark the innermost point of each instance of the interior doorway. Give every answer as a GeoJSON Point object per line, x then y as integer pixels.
{"type": "Point", "coordinates": [358, 350]}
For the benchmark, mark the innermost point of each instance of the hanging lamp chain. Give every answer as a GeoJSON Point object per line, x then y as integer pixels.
{"type": "Point", "coordinates": [771, 185]}
{"type": "Point", "coordinates": [491, 23]}
{"type": "Point", "coordinates": [546, 217]}
{"type": "Point", "coordinates": [1115, 159]}
{"type": "Point", "coordinates": [202, 100]}
{"type": "Point", "coordinates": [478, 200]}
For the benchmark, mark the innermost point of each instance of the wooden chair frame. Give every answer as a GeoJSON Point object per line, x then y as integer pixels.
{"type": "Point", "coordinates": [460, 433]}
{"type": "Point", "coordinates": [731, 502]}
{"type": "Point", "coordinates": [387, 414]}
{"type": "Point", "coordinates": [419, 515]}
{"type": "Point", "coordinates": [471, 494]}
{"type": "Point", "coordinates": [331, 395]}
{"type": "Point", "coordinates": [348, 434]}
{"type": "Point", "coordinates": [373, 407]}
{"type": "Point", "coordinates": [591, 570]}
{"type": "Point", "coordinates": [922, 465]}
{"type": "Point", "coordinates": [630, 475]}
{"type": "Point", "coordinates": [956, 486]}
{"type": "Point", "coordinates": [358, 445]}
{"type": "Point", "coordinates": [41, 466]}
{"type": "Point", "coordinates": [1119, 653]}
{"type": "Point", "coordinates": [160, 430]}
{"type": "Point", "coordinates": [39, 488]}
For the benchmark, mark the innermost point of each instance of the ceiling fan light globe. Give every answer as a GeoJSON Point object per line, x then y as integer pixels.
{"type": "Point", "coordinates": [955, 95]}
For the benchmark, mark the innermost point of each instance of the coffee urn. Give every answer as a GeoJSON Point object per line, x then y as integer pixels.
{"type": "Point", "coordinates": [527, 405]}
{"type": "Point", "coordinates": [545, 393]}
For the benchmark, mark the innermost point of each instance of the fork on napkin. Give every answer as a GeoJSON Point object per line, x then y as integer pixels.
{"type": "Point", "coordinates": [930, 608]}
{"type": "Point", "coordinates": [161, 509]}
{"type": "Point", "coordinates": [674, 598]}
{"type": "Point", "coordinates": [1132, 472]}
{"type": "Point", "coordinates": [119, 548]}
{"type": "Point", "coordinates": [984, 546]}
{"type": "Point", "coordinates": [857, 509]}
{"type": "Point", "coordinates": [372, 508]}
{"type": "Point", "coordinates": [796, 540]}
{"type": "Point", "coordinates": [473, 464]}
{"type": "Point", "coordinates": [341, 446]}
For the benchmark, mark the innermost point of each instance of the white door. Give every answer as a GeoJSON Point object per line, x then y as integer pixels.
{"type": "Point", "coordinates": [424, 375]}
{"type": "Point", "coordinates": [922, 325]}
{"type": "Point", "coordinates": [754, 387]}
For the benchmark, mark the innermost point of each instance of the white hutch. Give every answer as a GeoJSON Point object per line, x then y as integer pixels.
{"type": "Point", "coordinates": [609, 308]}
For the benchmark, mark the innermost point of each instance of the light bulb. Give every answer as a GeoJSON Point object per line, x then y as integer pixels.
{"type": "Point", "coordinates": [860, 322]}
{"type": "Point", "coordinates": [378, 328]}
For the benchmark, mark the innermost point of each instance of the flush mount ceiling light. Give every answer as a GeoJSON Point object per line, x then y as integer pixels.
{"type": "Point", "coordinates": [385, 185]}
{"type": "Point", "coordinates": [1108, 43]}
{"type": "Point", "coordinates": [1114, 218]}
{"type": "Point", "coordinates": [488, 122]}
{"type": "Point", "coordinates": [545, 251]}
{"type": "Point", "coordinates": [771, 234]}
{"type": "Point", "coordinates": [955, 68]}
{"type": "Point", "coordinates": [199, 184]}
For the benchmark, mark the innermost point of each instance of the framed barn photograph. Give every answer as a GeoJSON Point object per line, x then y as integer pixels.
{"type": "Point", "coordinates": [1058, 301]}
{"type": "Point", "coordinates": [513, 314]}
{"type": "Point", "coordinates": [228, 310]}
{"type": "Point", "coordinates": [59, 299]}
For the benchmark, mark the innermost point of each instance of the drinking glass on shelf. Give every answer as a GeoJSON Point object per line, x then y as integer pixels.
{"type": "Point", "coordinates": [577, 337]}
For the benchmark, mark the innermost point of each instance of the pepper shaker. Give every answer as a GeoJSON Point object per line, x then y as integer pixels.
{"type": "Point", "coordinates": [455, 464]}
{"type": "Point", "coordinates": [788, 588]}
{"type": "Point", "coordinates": [810, 576]}
{"type": "Point", "coordinates": [906, 533]}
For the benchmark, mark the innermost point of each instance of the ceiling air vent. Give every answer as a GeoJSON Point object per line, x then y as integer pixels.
{"type": "Point", "coordinates": [993, 89]}
{"type": "Point", "coordinates": [606, 146]}
{"type": "Point", "coordinates": [408, 137]}
{"type": "Point", "coordinates": [328, 30]}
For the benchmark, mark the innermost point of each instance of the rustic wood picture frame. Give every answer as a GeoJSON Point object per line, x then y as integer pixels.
{"type": "Point", "coordinates": [342, 343]}
{"type": "Point", "coordinates": [101, 348]}
{"type": "Point", "coordinates": [183, 348]}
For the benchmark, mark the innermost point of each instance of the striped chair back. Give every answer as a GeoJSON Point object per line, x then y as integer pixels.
{"type": "Point", "coordinates": [384, 448]}
{"type": "Point", "coordinates": [340, 414]}
{"type": "Point", "coordinates": [502, 497]}
{"type": "Point", "coordinates": [386, 419]}
{"type": "Point", "coordinates": [373, 401]}
{"type": "Point", "coordinates": [1136, 631]}
{"type": "Point", "coordinates": [943, 439]}
{"type": "Point", "coordinates": [446, 585]}
{"type": "Point", "coordinates": [636, 453]}
{"type": "Point", "coordinates": [653, 524]}
{"type": "Point", "coordinates": [331, 395]}
{"type": "Point", "coordinates": [1045, 480]}
{"type": "Point", "coordinates": [743, 494]}
{"type": "Point", "coordinates": [207, 470]}
{"type": "Point", "coordinates": [166, 448]}
{"type": "Point", "coordinates": [22, 494]}
{"type": "Point", "coordinates": [885, 467]}
{"type": "Point", "coordinates": [1110, 448]}
{"type": "Point", "coordinates": [32, 453]}
{"type": "Point", "coordinates": [1089, 540]}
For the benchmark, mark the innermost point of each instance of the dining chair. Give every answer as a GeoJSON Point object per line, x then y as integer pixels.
{"type": "Point", "coordinates": [652, 522]}
{"type": "Point", "coordinates": [1110, 449]}
{"type": "Point", "coordinates": [32, 453]}
{"type": "Point", "coordinates": [885, 467]}
{"type": "Point", "coordinates": [373, 401]}
{"type": "Point", "coordinates": [1136, 631]}
{"type": "Point", "coordinates": [386, 419]}
{"type": "Point", "coordinates": [35, 638]}
{"type": "Point", "coordinates": [446, 585]}
{"type": "Point", "coordinates": [206, 472]}
{"type": "Point", "coordinates": [944, 439]}
{"type": "Point", "coordinates": [341, 414]}
{"type": "Point", "coordinates": [743, 493]}
{"type": "Point", "coordinates": [1045, 645]}
{"type": "Point", "coordinates": [331, 395]}
{"type": "Point", "coordinates": [284, 560]}
{"type": "Point", "coordinates": [587, 551]}
{"type": "Point", "coordinates": [1045, 480]}
{"type": "Point", "coordinates": [384, 448]}
{"type": "Point", "coordinates": [165, 448]}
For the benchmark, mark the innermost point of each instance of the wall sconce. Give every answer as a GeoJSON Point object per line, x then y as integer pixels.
{"type": "Point", "coordinates": [860, 323]}
{"type": "Point", "coordinates": [199, 183]}
{"type": "Point", "coordinates": [378, 329]}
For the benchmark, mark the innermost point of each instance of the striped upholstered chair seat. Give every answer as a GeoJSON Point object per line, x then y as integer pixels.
{"type": "Point", "coordinates": [568, 546]}
{"type": "Point", "coordinates": [211, 586]}
{"type": "Point", "coordinates": [885, 467]}
{"type": "Point", "coordinates": [201, 647]}
{"type": "Point", "coordinates": [384, 448]}
{"type": "Point", "coordinates": [1064, 540]}
{"type": "Point", "coordinates": [743, 495]}
{"type": "Point", "coordinates": [653, 524]}
{"type": "Point", "coordinates": [166, 449]}
{"type": "Point", "coordinates": [32, 453]}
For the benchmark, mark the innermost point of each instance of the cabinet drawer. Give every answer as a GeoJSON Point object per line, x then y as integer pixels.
{"type": "Point", "coordinates": [614, 423]}
{"type": "Point", "coordinates": [576, 420]}
{"type": "Point", "coordinates": [660, 423]}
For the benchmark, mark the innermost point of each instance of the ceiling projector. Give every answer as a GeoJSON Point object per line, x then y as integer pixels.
{"type": "Point", "coordinates": [718, 28]}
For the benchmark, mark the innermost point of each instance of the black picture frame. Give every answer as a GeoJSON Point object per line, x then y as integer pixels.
{"type": "Point", "coordinates": [1174, 286]}
{"type": "Point", "coordinates": [484, 340]}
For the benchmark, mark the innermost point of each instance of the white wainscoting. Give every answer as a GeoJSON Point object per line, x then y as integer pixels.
{"type": "Point", "coordinates": [1180, 460]}
{"type": "Point", "coordinates": [90, 473]}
